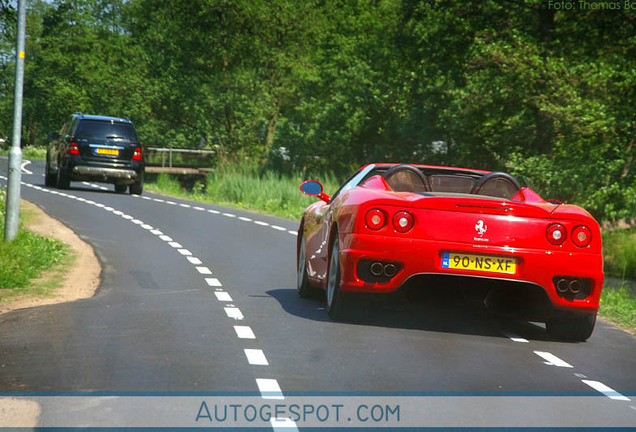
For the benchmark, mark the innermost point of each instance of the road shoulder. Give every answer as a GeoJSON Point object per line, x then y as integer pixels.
{"type": "Point", "coordinates": [80, 281]}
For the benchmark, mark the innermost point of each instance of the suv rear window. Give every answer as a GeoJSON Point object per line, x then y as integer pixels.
{"type": "Point", "coordinates": [105, 129]}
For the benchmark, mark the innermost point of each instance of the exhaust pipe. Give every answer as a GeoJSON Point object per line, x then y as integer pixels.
{"type": "Point", "coordinates": [389, 270]}
{"type": "Point", "coordinates": [377, 269]}
{"type": "Point", "coordinates": [575, 286]}
{"type": "Point", "coordinates": [563, 286]}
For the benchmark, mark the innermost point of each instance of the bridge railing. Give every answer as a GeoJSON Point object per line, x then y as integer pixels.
{"type": "Point", "coordinates": [178, 161]}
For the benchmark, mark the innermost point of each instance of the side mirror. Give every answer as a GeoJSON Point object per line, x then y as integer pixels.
{"type": "Point", "coordinates": [314, 188]}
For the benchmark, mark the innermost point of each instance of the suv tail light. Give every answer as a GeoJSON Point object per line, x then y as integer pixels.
{"type": "Point", "coordinates": [137, 154]}
{"type": "Point", "coordinates": [73, 149]}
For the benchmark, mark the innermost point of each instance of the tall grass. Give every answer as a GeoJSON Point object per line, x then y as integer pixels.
{"type": "Point", "coordinates": [268, 191]}
{"type": "Point", "coordinates": [249, 187]}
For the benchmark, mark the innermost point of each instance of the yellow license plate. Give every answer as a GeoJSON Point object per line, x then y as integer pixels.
{"type": "Point", "coordinates": [480, 263]}
{"type": "Point", "coordinates": [107, 151]}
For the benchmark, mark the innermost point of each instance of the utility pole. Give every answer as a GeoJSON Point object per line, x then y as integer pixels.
{"type": "Point", "coordinates": [15, 154]}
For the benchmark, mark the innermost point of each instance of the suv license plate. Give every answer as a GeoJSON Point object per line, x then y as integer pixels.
{"type": "Point", "coordinates": [480, 263]}
{"type": "Point", "coordinates": [106, 151]}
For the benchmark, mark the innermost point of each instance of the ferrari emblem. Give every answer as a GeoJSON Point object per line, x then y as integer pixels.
{"type": "Point", "coordinates": [481, 227]}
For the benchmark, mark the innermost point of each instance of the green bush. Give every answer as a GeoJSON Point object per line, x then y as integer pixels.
{"type": "Point", "coordinates": [619, 248]}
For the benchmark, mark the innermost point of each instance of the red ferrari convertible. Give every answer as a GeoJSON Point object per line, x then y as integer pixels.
{"type": "Point", "coordinates": [390, 226]}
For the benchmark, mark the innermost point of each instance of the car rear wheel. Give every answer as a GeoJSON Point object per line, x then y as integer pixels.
{"type": "Point", "coordinates": [63, 181]}
{"type": "Point", "coordinates": [138, 187]}
{"type": "Point", "coordinates": [336, 299]}
{"type": "Point", "coordinates": [120, 188]}
{"type": "Point", "coordinates": [571, 326]}
{"type": "Point", "coordinates": [303, 287]}
{"type": "Point", "coordinates": [49, 179]}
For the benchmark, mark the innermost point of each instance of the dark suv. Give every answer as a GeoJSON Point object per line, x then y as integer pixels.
{"type": "Point", "coordinates": [96, 148]}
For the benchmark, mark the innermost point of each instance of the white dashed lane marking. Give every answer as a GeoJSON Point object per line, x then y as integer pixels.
{"type": "Point", "coordinates": [269, 388]}
{"type": "Point", "coordinates": [244, 332]}
{"type": "Point", "coordinates": [213, 282]}
{"type": "Point", "coordinates": [256, 357]}
{"type": "Point", "coordinates": [607, 391]}
{"type": "Point", "coordinates": [234, 313]}
{"type": "Point", "coordinates": [552, 360]}
{"type": "Point", "coordinates": [223, 296]}
{"type": "Point", "coordinates": [204, 270]}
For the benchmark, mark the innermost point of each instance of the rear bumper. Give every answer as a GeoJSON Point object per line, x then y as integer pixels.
{"type": "Point", "coordinates": [79, 170]}
{"type": "Point", "coordinates": [424, 257]}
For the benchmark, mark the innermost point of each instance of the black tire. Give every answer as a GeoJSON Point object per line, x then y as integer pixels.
{"type": "Point", "coordinates": [121, 188]}
{"type": "Point", "coordinates": [138, 187]}
{"type": "Point", "coordinates": [49, 178]}
{"type": "Point", "coordinates": [336, 299]}
{"type": "Point", "coordinates": [302, 285]}
{"type": "Point", "coordinates": [63, 181]}
{"type": "Point", "coordinates": [571, 326]}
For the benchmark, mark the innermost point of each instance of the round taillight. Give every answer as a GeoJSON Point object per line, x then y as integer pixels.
{"type": "Point", "coordinates": [581, 236]}
{"type": "Point", "coordinates": [556, 234]}
{"type": "Point", "coordinates": [375, 219]}
{"type": "Point", "coordinates": [403, 221]}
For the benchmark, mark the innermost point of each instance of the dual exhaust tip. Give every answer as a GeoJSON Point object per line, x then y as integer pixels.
{"type": "Point", "coordinates": [565, 286]}
{"type": "Point", "coordinates": [379, 269]}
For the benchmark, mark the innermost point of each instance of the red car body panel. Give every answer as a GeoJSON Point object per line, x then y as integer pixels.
{"type": "Point", "coordinates": [448, 226]}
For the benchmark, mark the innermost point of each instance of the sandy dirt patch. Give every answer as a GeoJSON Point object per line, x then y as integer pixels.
{"type": "Point", "coordinates": [81, 281]}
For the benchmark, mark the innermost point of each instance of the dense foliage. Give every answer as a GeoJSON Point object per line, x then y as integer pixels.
{"type": "Point", "coordinates": [524, 86]}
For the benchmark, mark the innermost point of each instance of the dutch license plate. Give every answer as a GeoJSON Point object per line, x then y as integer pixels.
{"type": "Point", "coordinates": [107, 151]}
{"type": "Point", "coordinates": [481, 263]}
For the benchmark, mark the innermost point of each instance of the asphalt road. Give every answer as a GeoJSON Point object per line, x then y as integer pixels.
{"type": "Point", "coordinates": [199, 298]}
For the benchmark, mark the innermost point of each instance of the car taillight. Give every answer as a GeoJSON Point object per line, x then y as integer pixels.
{"type": "Point", "coordinates": [375, 219]}
{"type": "Point", "coordinates": [73, 149]}
{"type": "Point", "coordinates": [581, 236]}
{"type": "Point", "coordinates": [137, 154]}
{"type": "Point", "coordinates": [403, 221]}
{"type": "Point", "coordinates": [556, 234]}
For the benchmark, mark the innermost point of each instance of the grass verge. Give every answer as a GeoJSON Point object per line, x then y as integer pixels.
{"type": "Point", "coordinates": [618, 303]}
{"type": "Point", "coordinates": [28, 152]}
{"type": "Point", "coordinates": [24, 261]}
